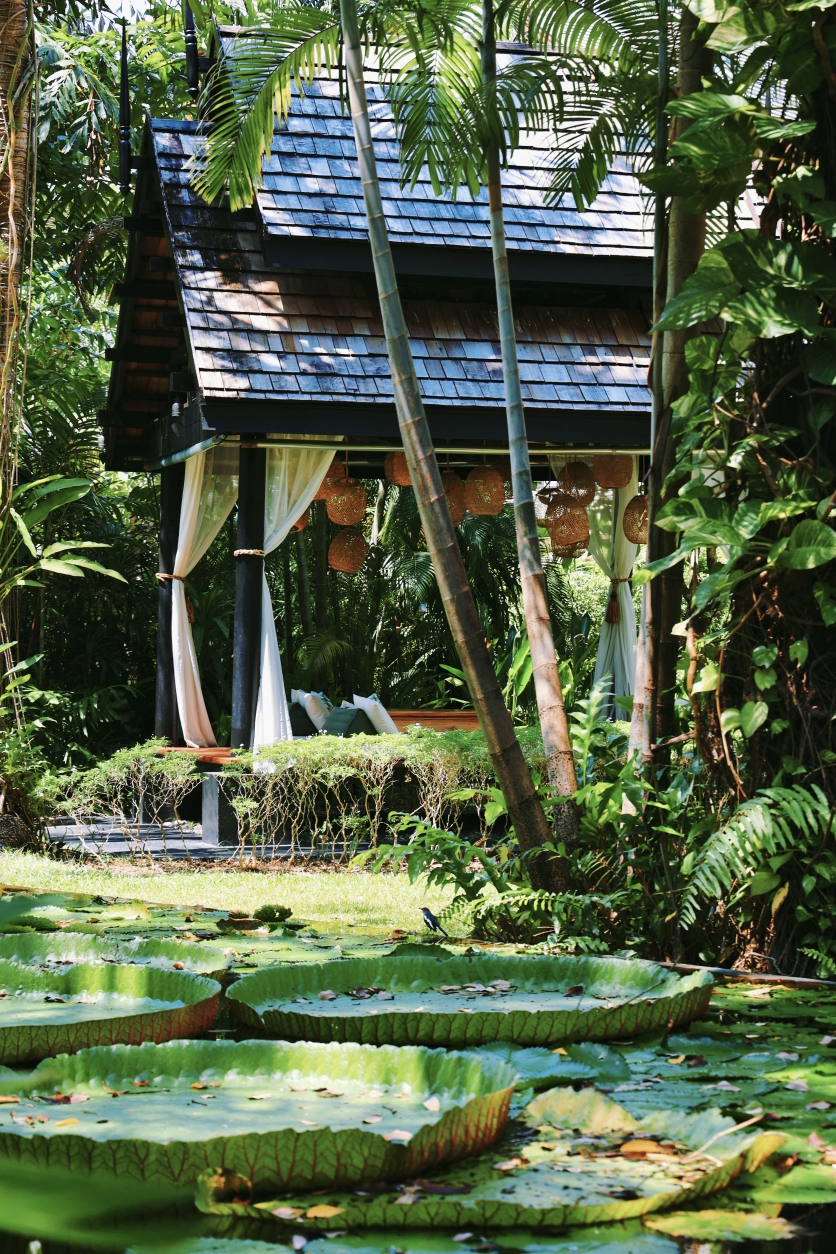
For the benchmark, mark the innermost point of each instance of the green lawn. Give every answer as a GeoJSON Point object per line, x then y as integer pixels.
{"type": "Point", "coordinates": [337, 897]}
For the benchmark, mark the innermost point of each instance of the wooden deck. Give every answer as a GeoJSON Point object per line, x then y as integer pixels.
{"type": "Point", "coordinates": [433, 720]}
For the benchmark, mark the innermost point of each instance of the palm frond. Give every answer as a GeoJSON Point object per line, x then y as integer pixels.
{"type": "Point", "coordinates": [771, 823]}
{"type": "Point", "coordinates": [249, 92]}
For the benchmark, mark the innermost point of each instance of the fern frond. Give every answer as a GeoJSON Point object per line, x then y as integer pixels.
{"type": "Point", "coordinates": [769, 824]}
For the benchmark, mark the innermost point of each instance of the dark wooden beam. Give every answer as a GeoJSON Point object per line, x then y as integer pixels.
{"type": "Point", "coordinates": [166, 722]}
{"type": "Point", "coordinates": [249, 571]}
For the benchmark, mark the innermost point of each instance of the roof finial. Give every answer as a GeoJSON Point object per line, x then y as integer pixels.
{"type": "Point", "coordinates": [192, 59]}
{"type": "Point", "coordinates": [124, 118]}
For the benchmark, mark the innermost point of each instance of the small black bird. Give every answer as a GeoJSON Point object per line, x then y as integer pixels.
{"type": "Point", "coordinates": [431, 921]}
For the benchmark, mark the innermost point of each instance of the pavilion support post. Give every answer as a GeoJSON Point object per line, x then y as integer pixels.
{"type": "Point", "coordinates": [166, 723]}
{"type": "Point", "coordinates": [249, 571]}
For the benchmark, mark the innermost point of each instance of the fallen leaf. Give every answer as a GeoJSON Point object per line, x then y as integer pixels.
{"type": "Point", "coordinates": [787, 1057]}
{"type": "Point", "coordinates": [327, 995]}
{"type": "Point", "coordinates": [640, 1148]}
{"type": "Point", "coordinates": [65, 1123]}
{"type": "Point", "coordinates": [8, 1100]}
{"type": "Point", "coordinates": [786, 1164]}
{"type": "Point", "coordinates": [674, 1062]}
{"type": "Point", "coordinates": [560, 1050]}
{"type": "Point", "coordinates": [510, 1164]}
{"type": "Point", "coordinates": [819, 1105]}
{"type": "Point", "coordinates": [287, 1212]}
{"type": "Point", "coordinates": [462, 1236]}
{"type": "Point", "coordinates": [308, 1123]}
{"type": "Point", "coordinates": [298, 1241]}
{"type": "Point", "coordinates": [398, 1135]}
{"type": "Point", "coordinates": [575, 991]}
{"type": "Point", "coordinates": [140, 1084]}
{"type": "Point", "coordinates": [433, 1104]}
{"type": "Point", "coordinates": [830, 1154]}
{"type": "Point", "coordinates": [828, 1040]}
{"type": "Point", "coordinates": [501, 985]}
{"type": "Point", "coordinates": [179, 966]}
{"type": "Point", "coordinates": [795, 1086]}
{"type": "Point", "coordinates": [323, 1211]}
{"type": "Point", "coordinates": [372, 1118]}
{"type": "Point", "coordinates": [816, 1141]}
{"type": "Point", "coordinates": [199, 1086]}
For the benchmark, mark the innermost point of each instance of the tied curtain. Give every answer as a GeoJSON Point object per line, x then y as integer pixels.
{"type": "Point", "coordinates": [293, 476]}
{"type": "Point", "coordinates": [615, 555]}
{"type": "Point", "coordinates": [210, 490]}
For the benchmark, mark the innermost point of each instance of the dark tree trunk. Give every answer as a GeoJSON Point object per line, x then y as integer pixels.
{"type": "Point", "coordinates": [249, 577]}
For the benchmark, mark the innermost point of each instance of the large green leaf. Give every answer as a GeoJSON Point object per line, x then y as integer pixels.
{"type": "Point", "coordinates": [723, 1225]}
{"type": "Point", "coordinates": [590, 1163]}
{"type": "Point", "coordinates": [402, 1000]}
{"type": "Point", "coordinates": [811, 544]}
{"type": "Point", "coordinates": [60, 949]}
{"type": "Point", "coordinates": [51, 1012]}
{"type": "Point", "coordinates": [297, 1116]}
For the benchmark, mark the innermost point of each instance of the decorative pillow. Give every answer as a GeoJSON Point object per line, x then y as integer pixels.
{"type": "Point", "coordinates": [379, 717]}
{"type": "Point", "coordinates": [315, 704]}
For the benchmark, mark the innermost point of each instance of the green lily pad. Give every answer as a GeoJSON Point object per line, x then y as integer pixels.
{"type": "Point", "coordinates": [559, 1179]}
{"type": "Point", "coordinates": [465, 1001]}
{"type": "Point", "coordinates": [543, 1068]}
{"type": "Point", "coordinates": [613, 1238]}
{"type": "Point", "coordinates": [723, 1225]}
{"type": "Point", "coordinates": [62, 949]}
{"type": "Point", "coordinates": [49, 1012]}
{"type": "Point", "coordinates": [285, 1115]}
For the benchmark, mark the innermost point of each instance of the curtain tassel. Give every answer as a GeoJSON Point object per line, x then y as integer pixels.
{"type": "Point", "coordinates": [189, 610]}
{"type": "Point", "coordinates": [613, 614]}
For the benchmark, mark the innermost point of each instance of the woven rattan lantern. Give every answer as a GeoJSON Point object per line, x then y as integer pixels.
{"type": "Point", "coordinates": [454, 491]}
{"type": "Point", "coordinates": [567, 522]}
{"type": "Point", "coordinates": [569, 551]}
{"type": "Point", "coordinates": [347, 502]}
{"type": "Point", "coordinates": [635, 520]}
{"type": "Point", "coordinates": [577, 481]}
{"type": "Point", "coordinates": [502, 465]}
{"type": "Point", "coordinates": [335, 474]}
{"type": "Point", "coordinates": [301, 523]}
{"type": "Point", "coordinates": [612, 470]}
{"type": "Point", "coordinates": [396, 469]}
{"type": "Point", "coordinates": [484, 491]}
{"type": "Point", "coordinates": [347, 551]}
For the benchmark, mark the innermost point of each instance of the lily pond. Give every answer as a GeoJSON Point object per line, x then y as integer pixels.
{"type": "Point", "coordinates": [232, 1086]}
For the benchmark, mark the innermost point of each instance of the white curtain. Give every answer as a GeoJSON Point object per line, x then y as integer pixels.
{"type": "Point", "coordinates": [209, 493]}
{"type": "Point", "coordinates": [293, 476]}
{"type": "Point", "coordinates": [615, 555]}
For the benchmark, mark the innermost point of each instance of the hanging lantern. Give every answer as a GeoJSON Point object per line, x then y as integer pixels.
{"type": "Point", "coordinates": [301, 523]}
{"type": "Point", "coordinates": [577, 481]}
{"type": "Point", "coordinates": [484, 491]}
{"type": "Point", "coordinates": [347, 551]}
{"type": "Point", "coordinates": [347, 502]}
{"type": "Point", "coordinates": [502, 465]}
{"type": "Point", "coordinates": [334, 475]}
{"type": "Point", "coordinates": [454, 491]}
{"type": "Point", "coordinates": [567, 522]}
{"type": "Point", "coordinates": [396, 469]}
{"type": "Point", "coordinates": [612, 470]}
{"type": "Point", "coordinates": [569, 551]}
{"type": "Point", "coordinates": [635, 520]}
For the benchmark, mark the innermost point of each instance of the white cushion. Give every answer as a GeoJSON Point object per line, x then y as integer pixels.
{"type": "Point", "coordinates": [315, 705]}
{"type": "Point", "coordinates": [379, 717]}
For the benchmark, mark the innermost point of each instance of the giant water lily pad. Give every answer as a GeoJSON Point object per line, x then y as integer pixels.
{"type": "Point", "coordinates": [44, 1012]}
{"type": "Point", "coordinates": [464, 1001]}
{"type": "Point", "coordinates": [65, 949]}
{"type": "Point", "coordinates": [293, 1115]}
{"type": "Point", "coordinates": [590, 1162]}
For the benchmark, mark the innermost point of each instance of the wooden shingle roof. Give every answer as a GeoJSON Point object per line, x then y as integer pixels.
{"type": "Point", "coordinates": [279, 327]}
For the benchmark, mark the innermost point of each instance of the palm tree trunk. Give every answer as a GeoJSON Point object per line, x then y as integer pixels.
{"type": "Point", "coordinates": [320, 566]}
{"type": "Point", "coordinates": [552, 712]}
{"type": "Point", "coordinates": [686, 242]}
{"type": "Point", "coordinates": [524, 808]}
{"type": "Point", "coordinates": [644, 701]}
{"type": "Point", "coordinates": [15, 94]}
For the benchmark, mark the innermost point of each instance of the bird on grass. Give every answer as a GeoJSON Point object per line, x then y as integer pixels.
{"type": "Point", "coordinates": [431, 921]}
